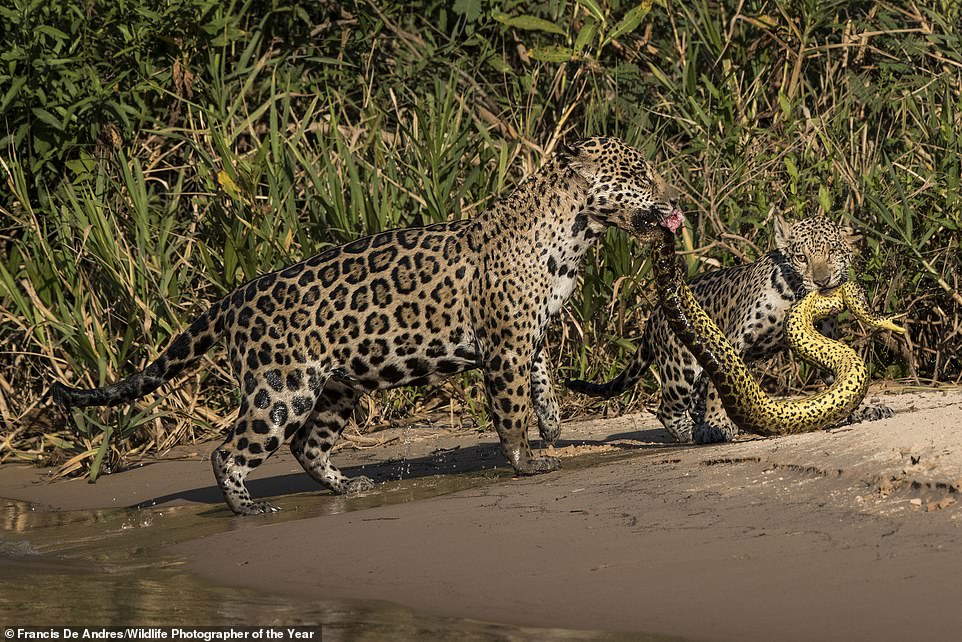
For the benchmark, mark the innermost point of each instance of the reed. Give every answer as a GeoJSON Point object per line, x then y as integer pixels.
{"type": "Point", "coordinates": [155, 159]}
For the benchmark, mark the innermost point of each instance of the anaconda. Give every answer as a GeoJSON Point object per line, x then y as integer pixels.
{"type": "Point", "coordinates": [750, 303]}
{"type": "Point", "coordinates": [745, 402]}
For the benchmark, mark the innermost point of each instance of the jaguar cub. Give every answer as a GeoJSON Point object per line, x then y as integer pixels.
{"type": "Point", "coordinates": [750, 304]}
{"type": "Point", "coordinates": [408, 307]}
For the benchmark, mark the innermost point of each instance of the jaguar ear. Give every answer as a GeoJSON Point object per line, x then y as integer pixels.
{"type": "Point", "coordinates": [572, 147]}
{"type": "Point", "coordinates": [783, 232]}
{"type": "Point", "coordinates": [579, 159]}
{"type": "Point", "coordinates": [852, 238]}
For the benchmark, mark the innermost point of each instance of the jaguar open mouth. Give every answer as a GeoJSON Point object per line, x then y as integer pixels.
{"type": "Point", "coordinates": [645, 222]}
{"type": "Point", "coordinates": [673, 221]}
{"type": "Point", "coordinates": [827, 290]}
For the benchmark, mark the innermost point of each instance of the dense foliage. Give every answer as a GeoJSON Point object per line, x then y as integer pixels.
{"type": "Point", "coordinates": [157, 153]}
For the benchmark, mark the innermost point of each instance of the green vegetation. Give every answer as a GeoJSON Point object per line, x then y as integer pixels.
{"type": "Point", "coordinates": [157, 154]}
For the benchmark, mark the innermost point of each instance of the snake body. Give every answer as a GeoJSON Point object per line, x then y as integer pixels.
{"type": "Point", "coordinates": [747, 405]}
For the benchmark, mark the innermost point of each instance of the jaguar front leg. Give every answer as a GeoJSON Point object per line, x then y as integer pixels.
{"type": "Point", "coordinates": [543, 399]}
{"type": "Point", "coordinates": [507, 385]}
{"type": "Point", "coordinates": [710, 420]}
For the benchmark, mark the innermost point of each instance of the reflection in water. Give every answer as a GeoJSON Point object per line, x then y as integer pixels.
{"type": "Point", "coordinates": [42, 592]}
{"type": "Point", "coordinates": [106, 568]}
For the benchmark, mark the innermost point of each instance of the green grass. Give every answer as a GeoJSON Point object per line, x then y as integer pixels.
{"type": "Point", "coordinates": [154, 159]}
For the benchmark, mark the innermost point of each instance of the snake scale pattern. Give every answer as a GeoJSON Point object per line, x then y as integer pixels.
{"type": "Point", "coordinates": [746, 403]}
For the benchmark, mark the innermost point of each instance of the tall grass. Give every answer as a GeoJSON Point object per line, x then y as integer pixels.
{"type": "Point", "coordinates": [152, 168]}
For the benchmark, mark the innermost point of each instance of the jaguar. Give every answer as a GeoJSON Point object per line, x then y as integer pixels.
{"type": "Point", "coordinates": [408, 307]}
{"type": "Point", "coordinates": [750, 304]}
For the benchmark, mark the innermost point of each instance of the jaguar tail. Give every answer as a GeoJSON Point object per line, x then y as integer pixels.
{"type": "Point", "coordinates": [186, 349]}
{"type": "Point", "coordinates": [620, 384]}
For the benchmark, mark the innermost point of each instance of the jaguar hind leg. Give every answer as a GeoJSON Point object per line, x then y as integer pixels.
{"type": "Point", "coordinates": [275, 405]}
{"type": "Point", "coordinates": [231, 470]}
{"type": "Point", "coordinates": [312, 444]}
{"type": "Point", "coordinates": [867, 412]}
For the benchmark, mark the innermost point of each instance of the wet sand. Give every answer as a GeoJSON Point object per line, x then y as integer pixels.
{"type": "Point", "coordinates": [848, 534]}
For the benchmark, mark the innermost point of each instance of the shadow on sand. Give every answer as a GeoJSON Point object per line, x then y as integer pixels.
{"type": "Point", "coordinates": [447, 461]}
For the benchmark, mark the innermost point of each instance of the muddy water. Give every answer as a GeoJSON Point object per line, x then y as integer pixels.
{"type": "Point", "coordinates": [107, 567]}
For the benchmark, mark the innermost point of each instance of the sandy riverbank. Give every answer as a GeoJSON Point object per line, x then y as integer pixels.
{"type": "Point", "coordinates": [848, 534]}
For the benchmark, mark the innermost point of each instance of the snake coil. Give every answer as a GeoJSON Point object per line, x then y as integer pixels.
{"type": "Point", "coordinates": [745, 402]}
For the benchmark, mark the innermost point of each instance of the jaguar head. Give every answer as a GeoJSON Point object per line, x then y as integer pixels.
{"type": "Point", "coordinates": [818, 249]}
{"type": "Point", "coordinates": [623, 188]}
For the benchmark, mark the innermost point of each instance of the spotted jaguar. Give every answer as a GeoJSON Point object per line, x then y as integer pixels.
{"type": "Point", "coordinates": [750, 304]}
{"type": "Point", "coordinates": [409, 307]}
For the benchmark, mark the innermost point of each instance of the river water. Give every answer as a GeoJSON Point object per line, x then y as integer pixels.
{"type": "Point", "coordinates": [109, 568]}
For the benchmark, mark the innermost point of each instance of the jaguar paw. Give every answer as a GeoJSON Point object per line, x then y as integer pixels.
{"type": "Point", "coordinates": [538, 465]}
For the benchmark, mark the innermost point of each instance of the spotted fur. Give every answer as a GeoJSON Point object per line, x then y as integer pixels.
{"type": "Point", "coordinates": [750, 304]}
{"type": "Point", "coordinates": [746, 403]}
{"type": "Point", "coordinates": [751, 409]}
{"type": "Point", "coordinates": [409, 307]}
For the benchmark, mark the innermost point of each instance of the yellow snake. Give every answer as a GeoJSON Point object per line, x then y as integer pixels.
{"type": "Point", "coordinates": [745, 402]}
